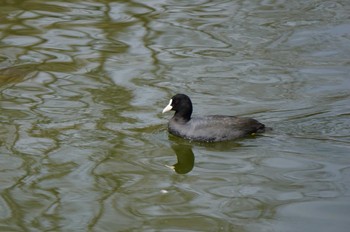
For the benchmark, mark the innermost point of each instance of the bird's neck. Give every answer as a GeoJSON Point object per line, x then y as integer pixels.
{"type": "Point", "coordinates": [182, 116]}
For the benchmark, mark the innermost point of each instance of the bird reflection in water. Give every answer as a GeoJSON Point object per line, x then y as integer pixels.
{"type": "Point", "coordinates": [185, 158]}
{"type": "Point", "coordinates": [185, 155]}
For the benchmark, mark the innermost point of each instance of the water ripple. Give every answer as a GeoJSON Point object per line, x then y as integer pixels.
{"type": "Point", "coordinates": [84, 146]}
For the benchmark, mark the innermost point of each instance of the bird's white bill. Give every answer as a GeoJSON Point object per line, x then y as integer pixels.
{"type": "Point", "coordinates": [168, 107]}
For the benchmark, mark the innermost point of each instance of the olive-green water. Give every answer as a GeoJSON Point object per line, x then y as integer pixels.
{"type": "Point", "coordinates": [84, 146]}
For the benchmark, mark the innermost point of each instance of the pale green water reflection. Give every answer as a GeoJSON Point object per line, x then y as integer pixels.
{"type": "Point", "coordinates": [84, 146]}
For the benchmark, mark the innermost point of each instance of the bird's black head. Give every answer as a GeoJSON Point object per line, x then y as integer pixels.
{"type": "Point", "coordinates": [182, 105]}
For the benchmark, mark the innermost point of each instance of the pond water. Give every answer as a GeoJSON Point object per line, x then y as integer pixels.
{"type": "Point", "coordinates": [84, 146]}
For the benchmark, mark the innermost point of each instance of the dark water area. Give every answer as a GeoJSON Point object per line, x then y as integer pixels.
{"type": "Point", "coordinates": [84, 145]}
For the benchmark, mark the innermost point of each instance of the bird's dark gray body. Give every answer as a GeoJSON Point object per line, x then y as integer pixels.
{"type": "Point", "coordinates": [211, 128]}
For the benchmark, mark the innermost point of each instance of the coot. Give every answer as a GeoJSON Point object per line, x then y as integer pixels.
{"type": "Point", "coordinates": [211, 128]}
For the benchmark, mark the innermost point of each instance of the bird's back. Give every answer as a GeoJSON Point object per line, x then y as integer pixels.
{"type": "Point", "coordinates": [215, 128]}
